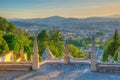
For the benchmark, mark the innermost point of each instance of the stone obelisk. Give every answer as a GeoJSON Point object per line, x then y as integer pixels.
{"type": "Point", "coordinates": [35, 56]}
{"type": "Point", "coordinates": [93, 56]}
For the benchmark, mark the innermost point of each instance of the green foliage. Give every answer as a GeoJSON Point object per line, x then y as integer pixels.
{"type": "Point", "coordinates": [76, 52]}
{"type": "Point", "coordinates": [111, 46]}
{"type": "Point", "coordinates": [75, 42]}
{"type": "Point", "coordinates": [11, 27]}
{"type": "Point", "coordinates": [3, 24]}
{"type": "Point", "coordinates": [42, 36]}
{"type": "Point", "coordinates": [115, 56]}
{"type": "Point", "coordinates": [105, 56]}
{"type": "Point", "coordinates": [13, 42]}
{"type": "Point", "coordinates": [29, 51]}
{"type": "Point", "coordinates": [3, 46]}
{"type": "Point", "coordinates": [53, 40]}
{"type": "Point", "coordinates": [55, 35]}
{"type": "Point", "coordinates": [13, 38]}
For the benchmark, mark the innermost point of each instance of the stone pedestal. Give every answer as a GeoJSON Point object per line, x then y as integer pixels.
{"type": "Point", "coordinates": [119, 54]}
{"type": "Point", "coordinates": [35, 62]}
{"type": "Point", "coordinates": [66, 59]}
{"type": "Point", "coordinates": [93, 62]}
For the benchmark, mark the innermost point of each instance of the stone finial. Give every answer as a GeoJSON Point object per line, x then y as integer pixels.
{"type": "Point", "coordinates": [35, 46]}
{"type": "Point", "coordinates": [119, 54]}
{"type": "Point", "coordinates": [93, 57]}
{"type": "Point", "coordinates": [35, 56]}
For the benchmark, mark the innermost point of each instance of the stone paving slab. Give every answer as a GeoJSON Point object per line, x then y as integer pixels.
{"type": "Point", "coordinates": [10, 75]}
{"type": "Point", "coordinates": [78, 72]}
{"type": "Point", "coordinates": [74, 75]}
{"type": "Point", "coordinates": [57, 75]}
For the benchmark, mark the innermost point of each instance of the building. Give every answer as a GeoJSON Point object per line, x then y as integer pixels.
{"type": "Point", "coordinates": [11, 57]}
{"type": "Point", "coordinates": [7, 57]}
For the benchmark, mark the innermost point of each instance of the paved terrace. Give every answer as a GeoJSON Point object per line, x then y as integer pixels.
{"type": "Point", "coordinates": [73, 71]}
{"type": "Point", "coordinates": [78, 69]}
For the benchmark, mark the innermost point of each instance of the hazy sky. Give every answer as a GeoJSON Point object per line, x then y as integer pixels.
{"type": "Point", "coordinates": [65, 8]}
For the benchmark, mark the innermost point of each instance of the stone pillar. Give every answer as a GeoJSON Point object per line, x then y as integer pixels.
{"type": "Point", "coordinates": [119, 54]}
{"type": "Point", "coordinates": [93, 57]}
{"type": "Point", "coordinates": [35, 57]}
{"type": "Point", "coordinates": [66, 57]}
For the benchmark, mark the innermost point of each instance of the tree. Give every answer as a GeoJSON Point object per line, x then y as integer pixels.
{"type": "Point", "coordinates": [116, 42]}
{"type": "Point", "coordinates": [13, 42]}
{"type": "Point", "coordinates": [3, 24]}
{"type": "Point", "coordinates": [42, 36]}
{"type": "Point", "coordinates": [115, 56]}
{"type": "Point", "coordinates": [42, 41]}
{"type": "Point", "coordinates": [111, 46]}
{"type": "Point", "coordinates": [11, 27]}
{"type": "Point", "coordinates": [13, 38]}
{"type": "Point", "coordinates": [76, 52]}
{"type": "Point", "coordinates": [3, 46]}
{"type": "Point", "coordinates": [53, 40]}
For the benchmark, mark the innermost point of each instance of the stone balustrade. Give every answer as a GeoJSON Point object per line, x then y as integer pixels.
{"type": "Point", "coordinates": [61, 61]}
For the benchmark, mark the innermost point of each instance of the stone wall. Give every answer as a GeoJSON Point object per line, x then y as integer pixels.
{"type": "Point", "coordinates": [65, 67]}
{"type": "Point", "coordinates": [107, 67]}
{"type": "Point", "coordinates": [15, 66]}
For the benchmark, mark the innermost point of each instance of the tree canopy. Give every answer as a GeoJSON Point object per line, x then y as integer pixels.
{"type": "Point", "coordinates": [112, 46]}
{"type": "Point", "coordinates": [13, 38]}
{"type": "Point", "coordinates": [54, 40]}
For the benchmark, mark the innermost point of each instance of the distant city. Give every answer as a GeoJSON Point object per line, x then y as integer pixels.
{"type": "Point", "coordinates": [74, 27]}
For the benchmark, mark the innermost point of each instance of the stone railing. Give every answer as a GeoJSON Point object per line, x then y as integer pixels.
{"type": "Point", "coordinates": [58, 64]}
{"type": "Point", "coordinates": [108, 67]}
{"type": "Point", "coordinates": [52, 61]}
{"type": "Point", "coordinates": [61, 61]}
{"type": "Point", "coordinates": [15, 66]}
{"type": "Point", "coordinates": [80, 60]}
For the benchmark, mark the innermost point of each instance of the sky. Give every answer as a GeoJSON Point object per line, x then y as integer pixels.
{"type": "Point", "coordinates": [65, 8]}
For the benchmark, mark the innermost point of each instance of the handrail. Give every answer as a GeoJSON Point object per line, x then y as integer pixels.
{"type": "Point", "coordinates": [62, 61]}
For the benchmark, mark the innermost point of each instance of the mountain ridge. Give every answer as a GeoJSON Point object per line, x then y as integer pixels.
{"type": "Point", "coordinates": [58, 21]}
